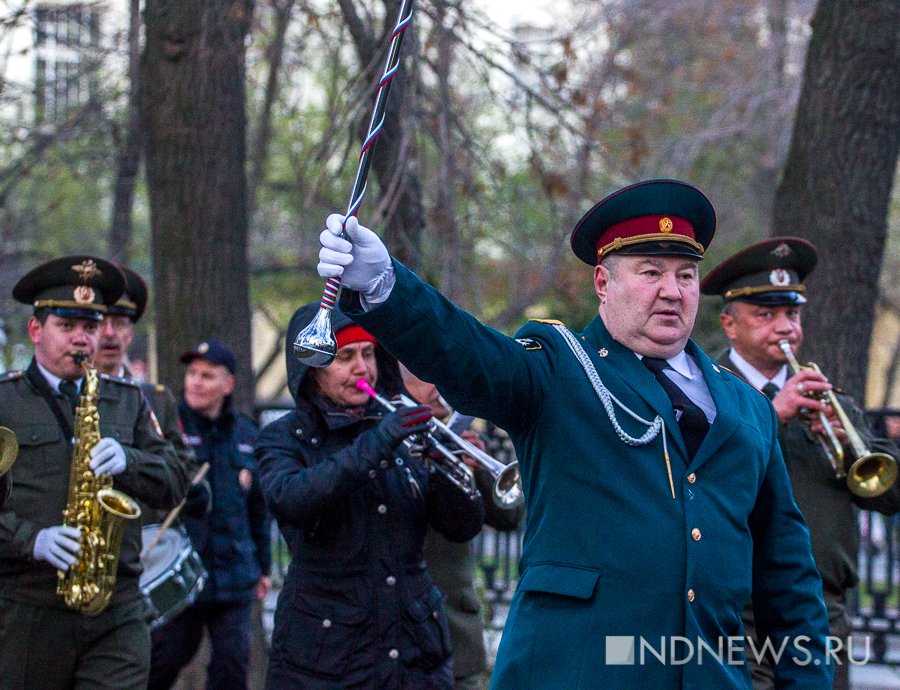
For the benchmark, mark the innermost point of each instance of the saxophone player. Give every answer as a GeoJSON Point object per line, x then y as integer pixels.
{"type": "Point", "coordinates": [42, 642]}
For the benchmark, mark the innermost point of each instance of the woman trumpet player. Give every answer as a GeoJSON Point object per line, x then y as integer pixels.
{"type": "Point", "coordinates": [358, 608]}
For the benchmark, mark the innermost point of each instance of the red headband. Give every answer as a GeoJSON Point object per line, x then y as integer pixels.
{"type": "Point", "coordinates": [353, 334]}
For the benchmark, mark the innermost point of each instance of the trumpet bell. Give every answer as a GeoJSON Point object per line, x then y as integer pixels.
{"type": "Point", "coordinates": [507, 493]}
{"type": "Point", "coordinates": [9, 449]}
{"type": "Point", "coordinates": [315, 345]}
{"type": "Point", "coordinates": [872, 475]}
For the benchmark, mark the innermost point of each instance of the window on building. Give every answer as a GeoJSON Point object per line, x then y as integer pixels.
{"type": "Point", "coordinates": [67, 39]}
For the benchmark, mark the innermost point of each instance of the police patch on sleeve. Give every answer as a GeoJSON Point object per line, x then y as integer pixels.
{"type": "Point", "coordinates": [529, 343]}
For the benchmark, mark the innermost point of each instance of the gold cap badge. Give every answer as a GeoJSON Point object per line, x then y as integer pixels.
{"type": "Point", "coordinates": [83, 294]}
{"type": "Point", "coordinates": [665, 224]}
{"type": "Point", "coordinates": [87, 269]}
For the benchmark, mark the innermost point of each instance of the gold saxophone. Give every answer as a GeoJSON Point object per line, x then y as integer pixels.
{"type": "Point", "coordinates": [94, 508]}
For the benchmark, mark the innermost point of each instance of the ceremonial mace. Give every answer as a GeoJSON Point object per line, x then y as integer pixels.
{"type": "Point", "coordinates": [315, 345]}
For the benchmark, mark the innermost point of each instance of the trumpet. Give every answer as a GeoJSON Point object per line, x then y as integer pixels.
{"type": "Point", "coordinates": [870, 474]}
{"type": "Point", "coordinates": [506, 493]}
{"type": "Point", "coordinates": [507, 490]}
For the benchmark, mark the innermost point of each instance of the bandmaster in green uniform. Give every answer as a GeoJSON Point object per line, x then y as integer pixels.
{"type": "Point", "coordinates": [763, 293]}
{"type": "Point", "coordinates": [644, 537]}
{"type": "Point", "coordinates": [43, 644]}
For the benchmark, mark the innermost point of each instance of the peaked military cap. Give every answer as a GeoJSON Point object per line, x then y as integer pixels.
{"type": "Point", "coordinates": [134, 300]}
{"type": "Point", "coordinates": [80, 287]}
{"type": "Point", "coordinates": [770, 272]}
{"type": "Point", "coordinates": [664, 217]}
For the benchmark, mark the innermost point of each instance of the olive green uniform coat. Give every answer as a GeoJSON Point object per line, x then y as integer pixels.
{"type": "Point", "coordinates": [154, 475]}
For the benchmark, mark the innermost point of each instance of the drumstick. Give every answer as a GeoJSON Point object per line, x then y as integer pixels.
{"type": "Point", "coordinates": [170, 518]}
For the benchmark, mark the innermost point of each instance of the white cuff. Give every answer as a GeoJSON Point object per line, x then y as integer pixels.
{"type": "Point", "coordinates": [380, 288]}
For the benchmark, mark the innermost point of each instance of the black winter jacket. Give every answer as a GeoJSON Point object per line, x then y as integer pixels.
{"type": "Point", "coordinates": [358, 608]}
{"type": "Point", "coordinates": [233, 537]}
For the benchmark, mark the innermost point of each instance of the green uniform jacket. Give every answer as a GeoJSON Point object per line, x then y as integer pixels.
{"type": "Point", "coordinates": [607, 550]}
{"type": "Point", "coordinates": [165, 410]}
{"type": "Point", "coordinates": [452, 567]}
{"type": "Point", "coordinates": [154, 475]}
{"type": "Point", "coordinates": [828, 505]}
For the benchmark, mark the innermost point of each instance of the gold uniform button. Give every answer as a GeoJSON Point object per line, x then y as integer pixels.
{"type": "Point", "coordinates": [696, 534]}
{"type": "Point", "coordinates": [691, 478]}
{"type": "Point", "coordinates": [691, 595]}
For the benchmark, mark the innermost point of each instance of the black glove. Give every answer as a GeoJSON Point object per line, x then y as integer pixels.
{"type": "Point", "coordinates": [405, 422]}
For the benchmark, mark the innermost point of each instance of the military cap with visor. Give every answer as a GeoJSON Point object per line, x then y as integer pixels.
{"type": "Point", "coordinates": [134, 300]}
{"type": "Point", "coordinates": [767, 273]}
{"type": "Point", "coordinates": [80, 287]}
{"type": "Point", "coordinates": [653, 217]}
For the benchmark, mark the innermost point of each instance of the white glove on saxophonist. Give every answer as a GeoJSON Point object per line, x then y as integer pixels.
{"type": "Point", "coordinates": [58, 546]}
{"type": "Point", "coordinates": [362, 261]}
{"type": "Point", "coordinates": [107, 457]}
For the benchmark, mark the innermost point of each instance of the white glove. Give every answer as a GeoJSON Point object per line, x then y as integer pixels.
{"type": "Point", "coordinates": [58, 545]}
{"type": "Point", "coordinates": [362, 262]}
{"type": "Point", "coordinates": [107, 457]}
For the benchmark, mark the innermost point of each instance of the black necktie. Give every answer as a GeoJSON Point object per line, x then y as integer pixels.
{"type": "Point", "coordinates": [693, 422]}
{"type": "Point", "coordinates": [771, 390]}
{"type": "Point", "coordinates": [70, 390]}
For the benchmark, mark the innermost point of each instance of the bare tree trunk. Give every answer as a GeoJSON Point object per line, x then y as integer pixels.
{"type": "Point", "coordinates": [275, 53]}
{"type": "Point", "coordinates": [130, 155]}
{"type": "Point", "coordinates": [192, 104]}
{"type": "Point", "coordinates": [838, 177]}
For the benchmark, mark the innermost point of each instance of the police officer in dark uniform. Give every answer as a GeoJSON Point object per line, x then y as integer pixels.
{"type": "Point", "coordinates": [764, 295]}
{"type": "Point", "coordinates": [232, 539]}
{"type": "Point", "coordinates": [42, 642]}
{"type": "Point", "coordinates": [657, 501]}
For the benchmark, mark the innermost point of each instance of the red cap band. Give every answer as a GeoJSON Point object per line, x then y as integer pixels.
{"type": "Point", "coordinates": [653, 228]}
{"type": "Point", "coordinates": [353, 334]}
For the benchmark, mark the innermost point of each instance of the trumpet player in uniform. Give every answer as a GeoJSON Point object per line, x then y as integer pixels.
{"type": "Point", "coordinates": [43, 643]}
{"type": "Point", "coordinates": [764, 295]}
{"type": "Point", "coordinates": [358, 608]}
{"type": "Point", "coordinates": [451, 564]}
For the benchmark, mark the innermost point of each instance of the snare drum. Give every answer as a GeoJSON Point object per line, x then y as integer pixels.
{"type": "Point", "coordinates": [173, 573]}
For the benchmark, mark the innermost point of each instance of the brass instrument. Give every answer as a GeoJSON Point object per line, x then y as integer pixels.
{"type": "Point", "coordinates": [446, 462]}
{"type": "Point", "coordinates": [9, 449]}
{"type": "Point", "coordinates": [870, 474]}
{"type": "Point", "coordinates": [507, 491]}
{"type": "Point", "coordinates": [94, 508]}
